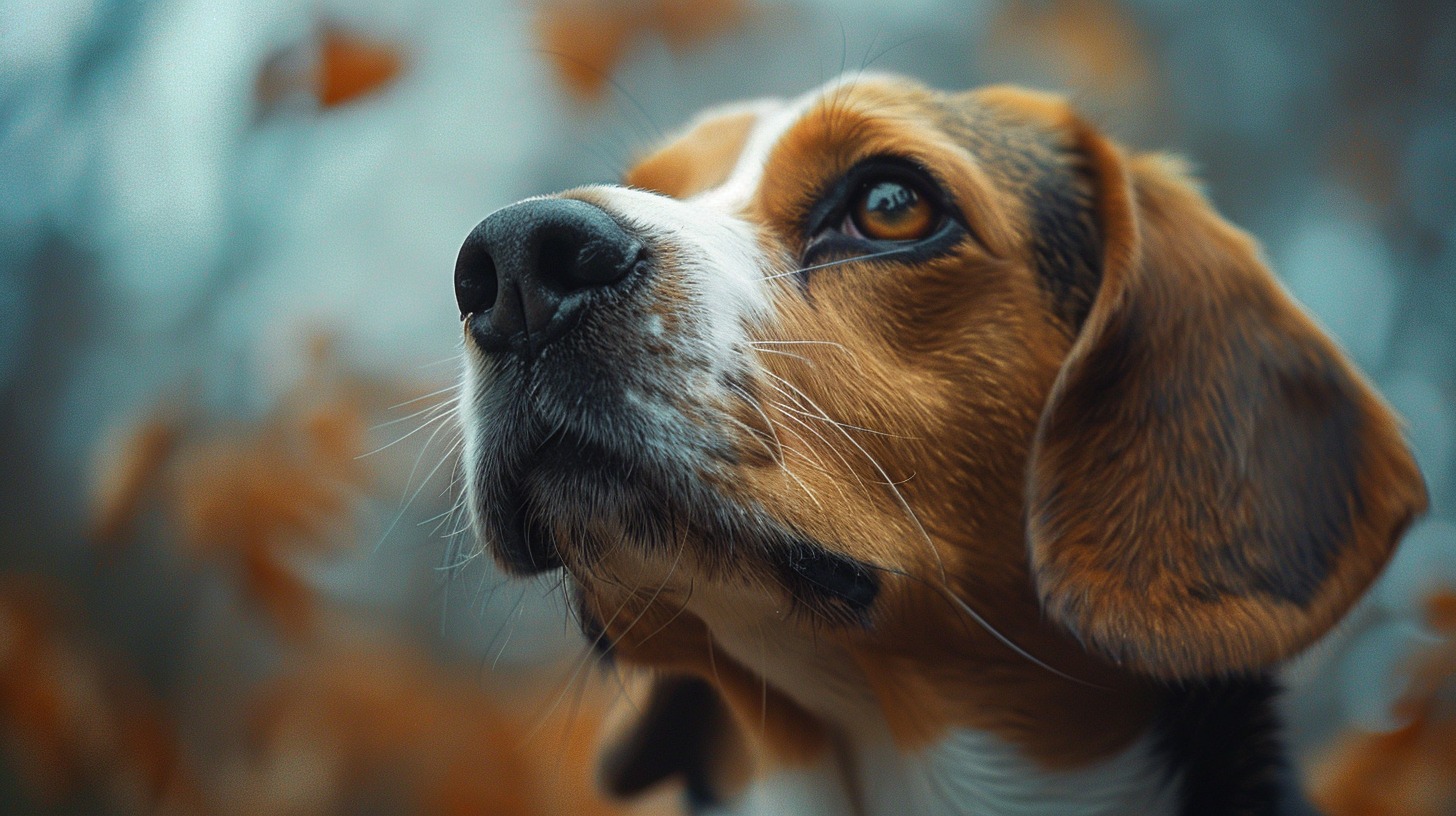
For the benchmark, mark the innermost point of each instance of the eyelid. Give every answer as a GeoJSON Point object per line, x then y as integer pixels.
{"type": "Point", "coordinates": [834, 201]}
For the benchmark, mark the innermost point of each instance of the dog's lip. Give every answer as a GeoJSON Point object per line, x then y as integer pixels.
{"type": "Point", "coordinates": [510, 521]}
{"type": "Point", "coordinates": [520, 526]}
{"type": "Point", "coordinates": [527, 549]}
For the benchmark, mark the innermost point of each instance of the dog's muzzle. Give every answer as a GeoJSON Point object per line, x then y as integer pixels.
{"type": "Point", "coordinates": [524, 274]}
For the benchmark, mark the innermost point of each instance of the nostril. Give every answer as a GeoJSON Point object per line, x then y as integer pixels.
{"type": "Point", "coordinates": [476, 281]}
{"type": "Point", "coordinates": [568, 261]}
{"type": "Point", "coordinates": [557, 259]}
{"type": "Point", "coordinates": [602, 262]}
{"type": "Point", "coordinates": [525, 270]}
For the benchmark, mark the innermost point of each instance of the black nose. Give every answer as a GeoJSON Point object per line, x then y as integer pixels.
{"type": "Point", "coordinates": [526, 271]}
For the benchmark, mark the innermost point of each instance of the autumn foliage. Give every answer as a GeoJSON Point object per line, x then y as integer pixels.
{"type": "Point", "coordinates": [337, 711]}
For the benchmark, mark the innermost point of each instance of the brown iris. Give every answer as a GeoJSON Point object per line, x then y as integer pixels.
{"type": "Point", "coordinates": [889, 210]}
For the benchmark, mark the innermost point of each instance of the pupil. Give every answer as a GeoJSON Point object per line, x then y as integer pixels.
{"type": "Point", "coordinates": [889, 199]}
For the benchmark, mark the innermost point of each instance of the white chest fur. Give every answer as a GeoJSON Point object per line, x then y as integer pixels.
{"type": "Point", "coordinates": [969, 773]}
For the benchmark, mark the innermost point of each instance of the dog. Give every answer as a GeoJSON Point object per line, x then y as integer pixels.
{"type": "Point", "coordinates": [931, 453]}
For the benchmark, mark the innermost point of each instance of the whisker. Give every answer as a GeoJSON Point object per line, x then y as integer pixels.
{"type": "Point", "coordinates": [888, 49]}
{"type": "Point", "coordinates": [799, 357]}
{"type": "Point", "coordinates": [586, 658]}
{"type": "Point", "coordinates": [802, 486]}
{"type": "Point", "coordinates": [677, 559]}
{"type": "Point", "coordinates": [427, 423]}
{"type": "Point", "coordinates": [890, 483]}
{"type": "Point", "coordinates": [827, 444]}
{"type": "Point", "coordinates": [981, 621]}
{"type": "Point", "coordinates": [512, 618]}
{"type": "Point", "coordinates": [435, 517]}
{"type": "Point", "coordinates": [454, 358]}
{"type": "Point", "coordinates": [459, 505]}
{"type": "Point", "coordinates": [450, 387]}
{"type": "Point", "coordinates": [839, 346]}
{"type": "Point", "coordinates": [450, 403]}
{"type": "Point", "coordinates": [849, 425]}
{"type": "Point", "coordinates": [867, 257]}
{"type": "Point", "coordinates": [409, 479]}
{"type": "Point", "coordinates": [456, 565]}
{"type": "Point", "coordinates": [680, 610]}
{"type": "Point", "coordinates": [612, 81]}
{"type": "Point", "coordinates": [817, 461]}
{"type": "Point", "coordinates": [759, 408]}
{"type": "Point", "coordinates": [790, 412]}
{"type": "Point", "coordinates": [780, 457]}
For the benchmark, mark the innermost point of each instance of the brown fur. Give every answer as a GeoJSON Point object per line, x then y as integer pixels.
{"type": "Point", "coordinates": [1191, 482]}
{"type": "Point", "coordinates": [1244, 445]}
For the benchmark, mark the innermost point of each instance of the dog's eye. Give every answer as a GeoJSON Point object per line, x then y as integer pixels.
{"type": "Point", "coordinates": [891, 210]}
{"type": "Point", "coordinates": [883, 206]}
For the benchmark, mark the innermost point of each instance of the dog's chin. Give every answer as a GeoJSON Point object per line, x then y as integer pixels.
{"type": "Point", "coordinates": [565, 499]}
{"type": "Point", "coordinates": [517, 532]}
{"type": "Point", "coordinates": [575, 504]}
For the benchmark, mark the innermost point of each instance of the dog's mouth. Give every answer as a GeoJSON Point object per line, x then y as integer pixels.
{"type": "Point", "coordinates": [575, 504]}
{"type": "Point", "coordinates": [604, 413]}
{"type": "Point", "coordinates": [531, 526]}
{"type": "Point", "coordinates": [567, 500]}
{"type": "Point", "coordinates": [596, 447]}
{"type": "Point", "coordinates": [547, 499]}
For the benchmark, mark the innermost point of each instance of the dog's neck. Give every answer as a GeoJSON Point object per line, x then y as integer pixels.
{"type": "Point", "coordinates": [869, 768]}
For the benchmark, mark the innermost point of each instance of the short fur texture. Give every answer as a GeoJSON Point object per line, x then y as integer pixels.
{"type": "Point", "coordinates": [1063, 481]}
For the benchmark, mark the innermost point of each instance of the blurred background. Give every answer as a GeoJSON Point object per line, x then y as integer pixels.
{"type": "Point", "coordinates": [233, 577]}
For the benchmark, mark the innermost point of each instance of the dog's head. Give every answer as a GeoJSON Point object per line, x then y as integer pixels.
{"type": "Point", "coordinates": [882, 370]}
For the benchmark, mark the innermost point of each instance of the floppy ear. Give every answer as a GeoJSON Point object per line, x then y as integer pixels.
{"type": "Point", "coordinates": [684, 731]}
{"type": "Point", "coordinates": [1212, 485]}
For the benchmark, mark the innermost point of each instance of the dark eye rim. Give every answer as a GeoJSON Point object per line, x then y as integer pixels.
{"type": "Point", "coordinates": [833, 206]}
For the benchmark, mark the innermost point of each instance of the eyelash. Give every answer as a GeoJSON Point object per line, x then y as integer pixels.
{"type": "Point", "coordinates": [831, 224]}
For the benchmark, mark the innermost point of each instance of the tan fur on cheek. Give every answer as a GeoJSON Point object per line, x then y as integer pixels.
{"type": "Point", "coordinates": [907, 410]}
{"type": "Point", "coordinates": [661, 636]}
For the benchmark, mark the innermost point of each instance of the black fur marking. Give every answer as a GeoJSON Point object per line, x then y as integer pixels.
{"type": "Point", "coordinates": [1109, 372]}
{"type": "Point", "coordinates": [1060, 195]}
{"type": "Point", "coordinates": [1066, 241]}
{"type": "Point", "coordinates": [1222, 744]}
{"type": "Point", "coordinates": [676, 736]}
{"type": "Point", "coordinates": [592, 628]}
{"type": "Point", "coordinates": [1302, 457]}
{"type": "Point", "coordinates": [524, 544]}
{"type": "Point", "coordinates": [836, 587]}
{"type": "Point", "coordinates": [1307, 451]}
{"type": "Point", "coordinates": [1288, 451]}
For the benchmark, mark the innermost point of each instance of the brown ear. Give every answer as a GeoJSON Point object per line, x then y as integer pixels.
{"type": "Point", "coordinates": [684, 732]}
{"type": "Point", "coordinates": [1212, 485]}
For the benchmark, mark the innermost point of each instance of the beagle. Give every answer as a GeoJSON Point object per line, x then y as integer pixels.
{"type": "Point", "coordinates": [932, 455]}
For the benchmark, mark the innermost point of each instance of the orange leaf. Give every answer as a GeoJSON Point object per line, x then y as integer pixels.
{"type": "Point", "coordinates": [352, 66]}
{"type": "Point", "coordinates": [586, 40]}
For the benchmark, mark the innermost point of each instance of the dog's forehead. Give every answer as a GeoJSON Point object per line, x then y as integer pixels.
{"type": "Point", "coordinates": [720, 155]}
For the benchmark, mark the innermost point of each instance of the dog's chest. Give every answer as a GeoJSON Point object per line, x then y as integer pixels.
{"type": "Point", "coordinates": [968, 772]}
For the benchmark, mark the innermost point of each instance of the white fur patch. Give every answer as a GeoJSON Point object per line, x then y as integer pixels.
{"type": "Point", "coordinates": [970, 773]}
{"type": "Point", "coordinates": [976, 774]}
